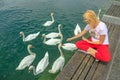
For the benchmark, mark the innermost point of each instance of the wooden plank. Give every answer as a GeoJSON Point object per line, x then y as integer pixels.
{"type": "Point", "coordinates": [92, 71]}
{"type": "Point", "coordinates": [85, 72]}
{"type": "Point", "coordinates": [116, 3]}
{"type": "Point", "coordinates": [109, 11]}
{"type": "Point", "coordinates": [114, 11]}
{"type": "Point", "coordinates": [99, 71]}
{"type": "Point", "coordinates": [114, 39]}
{"type": "Point", "coordinates": [111, 19]}
{"type": "Point", "coordinates": [71, 66]}
{"type": "Point", "coordinates": [117, 51]}
{"type": "Point", "coordinates": [81, 67]}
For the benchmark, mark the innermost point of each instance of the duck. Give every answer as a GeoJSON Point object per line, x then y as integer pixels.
{"type": "Point", "coordinates": [49, 23]}
{"type": "Point", "coordinates": [98, 15]}
{"type": "Point", "coordinates": [27, 61]}
{"type": "Point", "coordinates": [69, 46]}
{"type": "Point", "coordinates": [51, 41]}
{"type": "Point", "coordinates": [77, 29]}
{"type": "Point", "coordinates": [41, 66]}
{"type": "Point", "coordinates": [58, 63]}
{"type": "Point", "coordinates": [54, 34]}
{"type": "Point", "coordinates": [29, 37]}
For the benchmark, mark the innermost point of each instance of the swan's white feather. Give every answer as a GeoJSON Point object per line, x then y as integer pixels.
{"type": "Point", "coordinates": [77, 30]}
{"type": "Point", "coordinates": [43, 63]}
{"type": "Point", "coordinates": [26, 61]}
{"type": "Point", "coordinates": [69, 46]}
{"type": "Point", "coordinates": [31, 36]}
{"type": "Point", "coordinates": [52, 41]}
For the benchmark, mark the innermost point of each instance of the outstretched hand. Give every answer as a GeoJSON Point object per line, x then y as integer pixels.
{"type": "Point", "coordinates": [69, 39]}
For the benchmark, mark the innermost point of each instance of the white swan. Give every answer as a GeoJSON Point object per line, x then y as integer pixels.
{"type": "Point", "coordinates": [59, 62]}
{"type": "Point", "coordinates": [69, 46]}
{"type": "Point", "coordinates": [98, 15]}
{"type": "Point", "coordinates": [41, 66]}
{"type": "Point", "coordinates": [48, 23]}
{"type": "Point", "coordinates": [77, 30]}
{"type": "Point", "coordinates": [54, 34]}
{"type": "Point", "coordinates": [51, 41]}
{"type": "Point", "coordinates": [29, 37]}
{"type": "Point", "coordinates": [27, 61]}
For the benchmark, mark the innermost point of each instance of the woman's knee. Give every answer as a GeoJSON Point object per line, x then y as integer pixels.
{"type": "Point", "coordinates": [78, 44]}
{"type": "Point", "coordinates": [103, 58]}
{"type": "Point", "coordinates": [107, 59]}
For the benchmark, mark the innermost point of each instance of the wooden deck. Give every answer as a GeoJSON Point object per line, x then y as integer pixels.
{"type": "Point", "coordinates": [83, 66]}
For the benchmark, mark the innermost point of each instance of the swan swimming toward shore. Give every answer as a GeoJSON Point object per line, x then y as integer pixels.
{"type": "Point", "coordinates": [27, 61]}
{"type": "Point", "coordinates": [49, 23]}
{"type": "Point", "coordinates": [54, 34]}
{"type": "Point", "coordinates": [69, 46]}
{"type": "Point", "coordinates": [41, 66]}
{"type": "Point", "coordinates": [51, 41]}
{"type": "Point", "coordinates": [29, 37]}
{"type": "Point", "coordinates": [58, 63]}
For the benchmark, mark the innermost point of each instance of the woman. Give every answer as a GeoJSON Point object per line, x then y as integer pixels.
{"type": "Point", "coordinates": [98, 44]}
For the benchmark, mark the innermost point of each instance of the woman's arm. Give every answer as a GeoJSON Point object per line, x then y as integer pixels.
{"type": "Point", "coordinates": [77, 36]}
{"type": "Point", "coordinates": [102, 38]}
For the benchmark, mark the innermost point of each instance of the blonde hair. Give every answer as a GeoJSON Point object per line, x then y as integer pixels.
{"type": "Point", "coordinates": [91, 16]}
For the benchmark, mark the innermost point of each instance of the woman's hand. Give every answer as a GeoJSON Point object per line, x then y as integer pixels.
{"type": "Point", "coordinates": [69, 39]}
{"type": "Point", "coordinates": [83, 38]}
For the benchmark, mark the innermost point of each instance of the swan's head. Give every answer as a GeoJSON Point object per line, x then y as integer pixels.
{"type": "Point", "coordinates": [43, 35]}
{"type": "Point", "coordinates": [60, 45]}
{"type": "Point", "coordinates": [30, 46]}
{"type": "Point", "coordinates": [52, 14]}
{"type": "Point", "coordinates": [59, 25]}
{"type": "Point", "coordinates": [30, 68]}
{"type": "Point", "coordinates": [99, 10]}
{"type": "Point", "coordinates": [21, 33]}
{"type": "Point", "coordinates": [60, 35]}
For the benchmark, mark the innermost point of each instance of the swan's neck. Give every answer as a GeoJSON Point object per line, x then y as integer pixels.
{"type": "Point", "coordinates": [61, 38]}
{"type": "Point", "coordinates": [30, 52]}
{"type": "Point", "coordinates": [59, 30]}
{"type": "Point", "coordinates": [59, 47]}
{"type": "Point", "coordinates": [23, 37]}
{"type": "Point", "coordinates": [44, 39]}
{"type": "Point", "coordinates": [52, 18]}
{"type": "Point", "coordinates": [34, 71]}
{"type": "Point", "coordinates": [98, 15]}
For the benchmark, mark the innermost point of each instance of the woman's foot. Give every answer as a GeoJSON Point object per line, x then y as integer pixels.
{"type": "Point", "coordinates": [92, 51]}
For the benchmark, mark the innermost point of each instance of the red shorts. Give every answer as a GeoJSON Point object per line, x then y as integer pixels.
{"type": "Point", "coordinates": [102, 54]}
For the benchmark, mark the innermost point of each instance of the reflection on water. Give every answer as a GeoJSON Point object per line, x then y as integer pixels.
{"type": "Point", "coordinates": [28, 16]}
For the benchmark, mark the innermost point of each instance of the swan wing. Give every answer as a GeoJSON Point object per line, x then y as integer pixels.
{"type": "Point", "coordinates": [57, 65]}
{"type": "Point", "coordinates": [77, 30]}
{"type": "Point", "coordinates": [25, 62]}
{"type": "Point", "coordinates": [52, 41]}
{"type": "Point", "coordinates": [69, 46]}
{"type": "Point", "coordinates": [52, 35]}
{"type": "Point", "coordinates": [31, 36]}
{"type": "Point", "coordinates": [43, 63]}
{"type": "Point", "coordinates": [48, 23]}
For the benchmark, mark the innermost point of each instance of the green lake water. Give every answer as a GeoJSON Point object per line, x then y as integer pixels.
{"type": "Point", "coordinates": [28, 16]}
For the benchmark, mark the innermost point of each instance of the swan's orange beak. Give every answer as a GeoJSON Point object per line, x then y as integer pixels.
{"type": "Point", "coordinates": [33, 47]}
{"type": "Point", "coordinates": [63, 45]}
